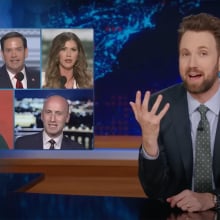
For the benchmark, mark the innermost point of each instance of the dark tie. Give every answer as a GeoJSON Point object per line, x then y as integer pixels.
{"type": "Point", "coordinates": [52, 143]}
{"type": "Point", "coordinates": [18, 82]}
{"type": "Point", "coordinates": [203, 160]}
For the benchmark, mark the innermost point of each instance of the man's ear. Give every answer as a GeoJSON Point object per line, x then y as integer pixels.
{"type": "Point", "coordinates": [26, 52]}
{"type": "Point", "coordinates": [2, 55]}
{"type": "Point", "coordinates": [41, 115]}
{"type": "Point", "coordinates": [68, 118]}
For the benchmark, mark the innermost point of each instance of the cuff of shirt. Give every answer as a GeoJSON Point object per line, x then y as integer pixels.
{"type": "Point", "coordinates": [147, 156]}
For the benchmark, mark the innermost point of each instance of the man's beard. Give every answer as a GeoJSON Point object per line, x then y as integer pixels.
{"type": "Point", "coordinates": [204, 86]}
{"type": "Point", "coordinates": [198, 89]}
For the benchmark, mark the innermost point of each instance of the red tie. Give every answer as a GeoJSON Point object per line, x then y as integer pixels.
{"type": "Point", "coordinates": [18, 83]}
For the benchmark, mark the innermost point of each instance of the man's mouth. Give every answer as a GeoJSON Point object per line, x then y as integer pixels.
{"type": "Point", "coordinates": [195, 75]}
{"type": "Point", "coordinates": [52, 125]}
{"type": "Point", "coordinates": [15, 61]}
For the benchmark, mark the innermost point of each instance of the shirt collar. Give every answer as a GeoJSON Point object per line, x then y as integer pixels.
{"type": "Point", "coordinates": [213, 104]}
{"type": "Point", "coordinates": [58, 140]}
{"type": "Point", "coordinates": [12, 75]}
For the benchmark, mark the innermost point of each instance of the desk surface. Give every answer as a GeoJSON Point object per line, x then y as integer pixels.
{"type": "Point", "coordinates": [19, 205]}
{"type": "Point", "coordinates": [12, 182]}
{"type": "Point", "coordinates": [95, 157]}
{"type": "Point", "coordinates": [42, 206]}
{"type": "Point", "coordinates": [15, 204]}
{"type": "Point", "coordinates": [101, 154]}
{"type": "Point", "coordinates": [98, 172]}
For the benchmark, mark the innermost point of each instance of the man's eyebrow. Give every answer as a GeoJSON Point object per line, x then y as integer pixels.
{"type": "Point", "coordinates": [8, 48]}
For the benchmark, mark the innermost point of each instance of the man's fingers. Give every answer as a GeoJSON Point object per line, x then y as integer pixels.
{"type": "Point", "coordinates": [140, 108]}
{"type": "Point", "coordinates": [156, 104]}
{"type": "Point", "coordinates": [146, 101]}
{"type": "Point", "coordinates": [136, 106]}
{"type": "Point", "coordinates": [138, 98]}
{"type": "Point", "coordinates": [164, 111]}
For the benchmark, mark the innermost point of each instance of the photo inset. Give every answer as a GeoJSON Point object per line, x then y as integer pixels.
{"type": "Point", "coordinates": [66, 116]}
{"type": "Point", "coordinates": [67, 58]}
{"type": "Point", "coordinates": [20, 59]}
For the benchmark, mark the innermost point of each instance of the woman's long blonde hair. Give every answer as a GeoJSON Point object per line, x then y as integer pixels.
{"type": "Point", "coordinates": [83, 78]}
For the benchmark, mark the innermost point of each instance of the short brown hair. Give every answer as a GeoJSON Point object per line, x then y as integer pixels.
{"type": "Point", "coordinates": [201, 22]}
{"type": "Point", "coordinates": [11, 35]}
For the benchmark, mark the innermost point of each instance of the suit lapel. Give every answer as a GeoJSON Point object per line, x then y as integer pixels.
{"type": "Point", "coordinates": [216, 155]}
{"type": "Point", "coordinates": [38, 140]}
{"type": "Point", "coordinates": [66, 144]}
{"type": "Point", "coordinates": [29, 78]}
{"type": "Point", "coordinates": [41, 139]}
{"type": "Point", "coordinates": [183, 136]}
{"type": "Point", "coordinates": [5, 79]}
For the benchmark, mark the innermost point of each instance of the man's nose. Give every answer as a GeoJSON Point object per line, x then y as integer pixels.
{"type": "Point", "coordinates": [53, 117]}
{"type": "Point", "coordinates": [13, 53]}
{"type": "Point", "coordinates": [193, 61]}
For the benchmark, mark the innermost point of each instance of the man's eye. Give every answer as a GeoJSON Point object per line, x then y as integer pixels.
{"type": "Point", "coordinates": [185, 54]}
{"type": "Point", "coordinates": [203, 53]}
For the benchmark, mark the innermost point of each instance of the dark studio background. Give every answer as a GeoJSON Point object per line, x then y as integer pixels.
{"type": "Point", "coordinates": [135, 46]}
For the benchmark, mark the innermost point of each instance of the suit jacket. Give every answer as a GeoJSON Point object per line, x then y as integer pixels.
{"type": "Point", "coordinates": [172, 171]}
{"type": "Point", "coordinates": [33, 78]}
{"type": "Point", "coordinates": [35, 142]}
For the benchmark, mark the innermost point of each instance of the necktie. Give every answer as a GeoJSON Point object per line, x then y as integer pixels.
{"type": "Point", "coordinates": [52, 143]}
{"type": "Point", "coordinates": [18, 82]}
{"type": "Point", "coordinates": [203, 160]}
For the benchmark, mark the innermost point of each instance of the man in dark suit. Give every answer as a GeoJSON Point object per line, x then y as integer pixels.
{"type": "Point", "coordinates": [169, 121]}
{"type": "Point", "coordinates": [14, 52]}
{"type": "Point", "coordinates": [54, 115]}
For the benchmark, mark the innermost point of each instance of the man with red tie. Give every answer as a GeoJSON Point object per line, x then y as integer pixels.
{"type": "Point", "coordinates": [14, 73]}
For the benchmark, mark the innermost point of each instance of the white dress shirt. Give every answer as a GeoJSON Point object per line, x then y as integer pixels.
{"type": "Point", "coordinates": [46, 143]}
{"type": "Point", "coordinates": [14, 80]}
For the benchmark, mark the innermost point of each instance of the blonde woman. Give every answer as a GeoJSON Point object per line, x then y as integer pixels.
{"type": "Point", "coordinates": [67, 64]}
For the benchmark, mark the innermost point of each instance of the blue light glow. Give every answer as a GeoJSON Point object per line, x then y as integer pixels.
{"type": "Point", "coordinates": [113, 25]}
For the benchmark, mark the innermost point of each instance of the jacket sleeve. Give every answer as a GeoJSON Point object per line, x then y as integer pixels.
{"type": "Point", "coordinates": [153, 175]}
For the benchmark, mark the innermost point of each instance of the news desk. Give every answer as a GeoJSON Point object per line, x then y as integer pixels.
{"type": "Point", "coordinates": [17, 204]}
{"type": "Point", "coordinates": [108, 172]}
{"type": "Point", "coordinates": [79, 184]}
{"type": "Point", "coordinates": [84, 184]}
